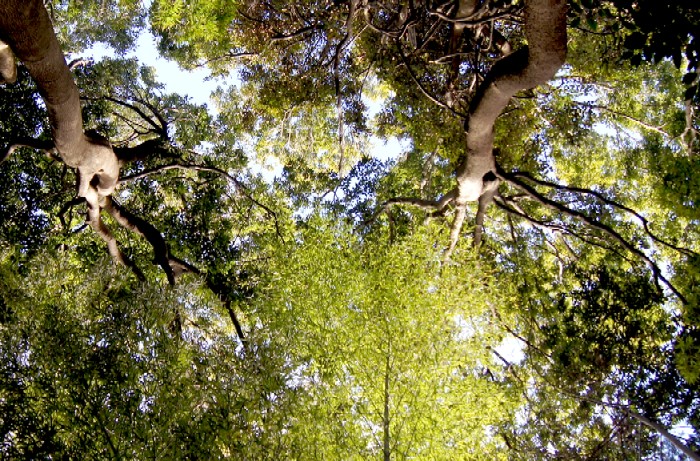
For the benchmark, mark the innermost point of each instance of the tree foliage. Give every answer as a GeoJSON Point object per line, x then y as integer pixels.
{"type": "Point", "coordinates": [521, 282]}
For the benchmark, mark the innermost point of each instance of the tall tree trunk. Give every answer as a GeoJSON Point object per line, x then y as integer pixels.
{"type": "Point", "coordinates": [386, 419]}
{"type": "Point", "coordinates": [25, 26]}
{"type": "Point", "coordinates": [530, 66]}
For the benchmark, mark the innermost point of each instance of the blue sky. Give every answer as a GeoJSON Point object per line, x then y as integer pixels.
{"type": "Point", "coordinates": [197, 83]}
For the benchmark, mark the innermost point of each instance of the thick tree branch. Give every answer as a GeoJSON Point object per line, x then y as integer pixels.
{"type": "Point", "coordinates": [434, 207]}
{"type": "Point", "coordinates": [8, 66]}
{"type": "Point", "coordinates": [455, 231]}
{"type": "Point", "coordinates": [675, 441]}
{"type": "Point", "coordinates": [128, 220]}
{"type": "Point", "coordinates": [690, 134]}
{"type": "Point", "coordinates": [484, 202]}
{"type": "Point", "coordinates": [530, 66]}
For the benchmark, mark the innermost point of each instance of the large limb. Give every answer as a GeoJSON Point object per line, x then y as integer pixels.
{"type": "Point", "coordinates": [8, 66]}
{"type": "Point", "coordinates": [25, 26]}
{"type": "Point", "coordinates": [128, 220]}
{"type": "Point", "coordinates": [530, 66]}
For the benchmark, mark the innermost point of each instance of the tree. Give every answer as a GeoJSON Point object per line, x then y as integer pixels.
{"type": "Point", "coordinates": [576, 266]}
{"type": "Point", "coordinates": [394, 355]}
{"type": "Point", "coordinates": [142, 124]}
{"type": "Point", "coordinates": [438, 60]}
{"type": "Point", "coordinates": [92, 367]}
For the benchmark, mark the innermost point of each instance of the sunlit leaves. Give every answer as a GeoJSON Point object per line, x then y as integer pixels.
{"type": "Point", "coordinates": [377, 329]}
{"type": "Point", "coordinates": [81, 24]}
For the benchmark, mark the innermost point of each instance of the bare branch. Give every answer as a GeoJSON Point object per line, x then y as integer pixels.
{"type": "Point", "coordinates": [281, 37]}
{"type": "Point", "coordinates": [159, 129]}
{"type": "Point", "coordinates": [38, 144]}
{"type": "Point", "coordinates": [95, 221]}
{"type": "Point", "coordinates": [472, 22]}
{"type": "Point", "coordinates": [193, 167]}
{"type": "Point", "coordinates": [503, 203]}
{"type": "Point", "coordinates": [425, 92]}
{"type": "Point", "coordinates": [595, 224]}
{"type": "Point", "coordinates": [347, 39]}
{"type": "Point", "coordinates": [484, 202]}
{"type": "Point", "coordinates": [675, 441]}
{"type": "Point", "coordinates": [142, 151]}
{"type": "Point", "coordinates": [435, 206]}
{"type": "Point", "coordinates": [67, 206]}
{"type": "Point", "coordinates": [229, 55]}
{"type": "Point", "coordinates": [455, 231]}
{"type": "Point", "coordinates": [612, 203]}
{"type": "Point", "coordinates": [642, 123]}
{"type": "Point", "coordinates": [128, 220]}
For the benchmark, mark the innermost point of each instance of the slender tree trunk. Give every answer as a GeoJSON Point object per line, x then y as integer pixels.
{"type": "Point", "coordinates": [386, 420]}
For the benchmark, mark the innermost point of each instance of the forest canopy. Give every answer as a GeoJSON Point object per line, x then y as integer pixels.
{"type": "Point", "coordinates": [520, 282]}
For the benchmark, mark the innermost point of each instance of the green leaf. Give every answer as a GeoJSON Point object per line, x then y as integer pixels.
{"type": "Point", "coordinates": [592, 23]}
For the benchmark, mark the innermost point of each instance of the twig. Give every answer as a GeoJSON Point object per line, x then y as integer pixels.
{"type": "Point", "coordinates": [425, 91]}
{"type": "Point", "coordinates": [556, 206]}
{"type": "Point", "coordinates": [193, 167]}
{"type": "Point", "coordinates": [38, 144]}
{"type": "Point", "coordinates": [613, 203]}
